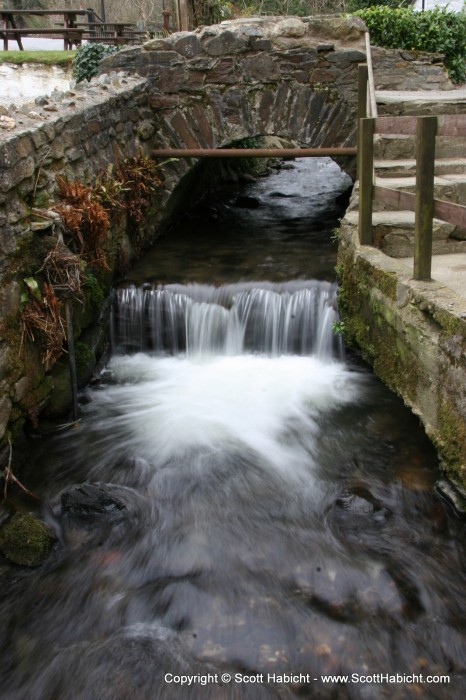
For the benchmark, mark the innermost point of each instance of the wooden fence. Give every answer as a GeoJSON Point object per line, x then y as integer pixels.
{"type": "Point", "coordinates": [423, 203]}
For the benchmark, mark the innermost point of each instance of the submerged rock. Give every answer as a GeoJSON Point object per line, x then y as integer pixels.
{"type": "Point", "coordinates": [245, 202]}
{"type": "Point", "coordinates": [90, 500]}
{"type": "Point", "coordinates": [26, 540]}
{"type": "Point", "coordinates": [452, 494]}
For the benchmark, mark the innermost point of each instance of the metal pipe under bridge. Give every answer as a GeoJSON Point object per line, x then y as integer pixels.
{"type": "Point", "coordinates": [253, 152]}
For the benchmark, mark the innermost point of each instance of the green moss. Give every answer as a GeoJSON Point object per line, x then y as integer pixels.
{"type": "Point", "coordinates": [451, 440]}
{"type": "Point", "coordinates": [85, 358]}
{"type": "Point", "coordinates": [370, 323]}
{"type": "Point", "coordinates": [451, 325]}
{"type": "Point", "coordinates": [41, 200]}
{"type": "Point", "coordinates": [25, 540]}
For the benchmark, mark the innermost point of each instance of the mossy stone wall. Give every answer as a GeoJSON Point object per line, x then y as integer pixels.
{"type": "Point", "coordinates": [413, 335]}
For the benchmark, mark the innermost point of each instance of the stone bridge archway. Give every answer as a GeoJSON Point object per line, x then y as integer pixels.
{"type": "Point", "coordinates": [287, 77]}
{"type": "Point", "coordinates": [294, 78]}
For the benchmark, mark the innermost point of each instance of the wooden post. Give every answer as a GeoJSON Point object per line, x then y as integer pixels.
{"type": "Point", "coordinates": [72, 360]}
{"type": "Point", "coordinates": [184, 15]}
{"type": "Point", "coordinates": [365, 177]}
{"type": "Point", "coordinates": [424, 212]}
{"type": "Point", "coordinates": [362, 91]}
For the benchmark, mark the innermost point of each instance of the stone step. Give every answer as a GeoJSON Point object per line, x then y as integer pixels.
{"type": "Point", "coordinates": [421, 102]}
{"type": "Point", "coordinates": [450, 187]}
{"type": "Point", "coordinates": [393, 233]}
{"type": "Point", "coordinates": [392, 147]}
{"type": "Point", "coordinates": [406, 167]}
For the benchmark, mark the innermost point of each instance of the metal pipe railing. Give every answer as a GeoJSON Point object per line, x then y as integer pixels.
{"type": "Point", "coordinates": [253, 152]}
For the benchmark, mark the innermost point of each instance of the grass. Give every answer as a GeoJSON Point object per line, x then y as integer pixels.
{"type": "Point", "coordinates": [48, 58]}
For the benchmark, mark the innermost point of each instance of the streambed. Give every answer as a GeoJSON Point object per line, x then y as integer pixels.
{"type": "Point", "coordinates": [242, 498]}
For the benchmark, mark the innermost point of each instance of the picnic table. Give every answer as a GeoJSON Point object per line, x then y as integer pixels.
{"type": "Point", "coordinates": [111, 32]}
{"type": "Point", "coordinates": [71, 33]}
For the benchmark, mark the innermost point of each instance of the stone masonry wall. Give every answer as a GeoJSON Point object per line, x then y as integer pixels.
{"type": "Point", "coordinates": [74, 135]}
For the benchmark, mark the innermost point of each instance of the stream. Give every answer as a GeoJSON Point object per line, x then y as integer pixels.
{"type": "Point", "coordinates": [244, 509]}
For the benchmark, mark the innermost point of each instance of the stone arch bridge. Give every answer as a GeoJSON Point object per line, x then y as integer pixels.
{"type": "Point", "coordinates": [284, 77]}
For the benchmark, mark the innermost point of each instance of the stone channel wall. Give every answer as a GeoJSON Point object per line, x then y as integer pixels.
{"type": "Point", "coordinates": [284, 77]}
{"type": "Point", "coordinates": [76, 135]}
{"type": "Point", "coordinates": [413, 334]}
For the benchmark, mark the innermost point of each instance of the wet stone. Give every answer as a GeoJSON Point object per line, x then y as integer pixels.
{"type": "Point", "coordinates": [245, 202]}
{"type": "Point", "coordinates": [91, 500]}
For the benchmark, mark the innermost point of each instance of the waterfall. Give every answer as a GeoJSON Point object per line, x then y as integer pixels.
{"type": "Point", "coordinates": [259, 317]}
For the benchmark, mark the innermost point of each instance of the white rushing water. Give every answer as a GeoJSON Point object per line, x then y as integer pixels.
{"type": "Point", "coordinates": [167, 407]}
{"type": "Point", "coordinates": [293, 317]}
{"type": "Point", "coordinates": [243, 368]}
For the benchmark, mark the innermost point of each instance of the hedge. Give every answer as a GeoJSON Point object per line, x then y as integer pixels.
{"type": "Point", "coordinates": [436, 31]}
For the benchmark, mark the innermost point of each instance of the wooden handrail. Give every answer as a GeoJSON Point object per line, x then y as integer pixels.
{"type": "Point", "coordinates": [370, 77]}
{"type": "Point", "coordinates": [450, 212]}
{"type": "Point", "coordinates": [423, 203]}
{"type": "Point", "coordinates": [447, 125]}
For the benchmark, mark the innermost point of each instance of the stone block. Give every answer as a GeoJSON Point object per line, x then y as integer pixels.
{"type": "Point", "coordinates": [4, 361]}
{"type": "Point", "coordinates": [261, 67]}
{"type": "Point", "coordinates": [200, 125]}
{"type": "Point", "coordinates": [290, 27]}
{"type": "Point", "coordinates": [24, 146]}
{"type": "Point", "coordinates": [178, 123]}
{"type": "Point", "coordinates": [187, 44]}
{"type": "Point", "coordinates": [21, 389]}
{"type": "Point", "coordinates": [10, 294]}
{"type": "Point", "coordinates": [265, 107]}
{"type": "Point", "coordinates": [223, 72]}
{"type": "Point", "coordinates": [172, 79]}
{"type": "Point", "coordinates": [345, 56]}
{"type": "Point", "coordinates": [5, 410]}
{"type": "Point", "coordinates": [224, 43]}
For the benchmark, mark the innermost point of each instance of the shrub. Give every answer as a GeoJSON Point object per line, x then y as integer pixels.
{"type": "Point", "coordinates": [437, 31]}
{"type": "Point", "coordinates": [86, 61]}
{"type": "Point", "coordinates": [354, 5]}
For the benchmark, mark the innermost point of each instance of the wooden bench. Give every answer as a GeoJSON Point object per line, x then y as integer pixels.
{"type": "Point", "coordinates": [9, 29]}
{"type": "Point", "coordinates": [110, 32]}
{"type": "Point", "coordinates": [71, 37]}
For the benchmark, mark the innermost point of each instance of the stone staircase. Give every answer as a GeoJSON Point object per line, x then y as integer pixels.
{"type": "Point", "coordinates": [395, 167]}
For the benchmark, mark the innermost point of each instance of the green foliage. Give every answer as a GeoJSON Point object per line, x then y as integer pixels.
{"type": "Point", "coordinates": [253, 166]}
{"type": "Point", "coordinates": [437, 30]}
{"type": "Point", "coordinates": [338, 327]}
{"type": "Point", "coordinates": [212, 11]}
{"type": "Point", "coordinates": [93, 291]}
{"type": "Point", "coordinates": [88, 56]}
{"type": "Point", "coordinates": [354, 5]}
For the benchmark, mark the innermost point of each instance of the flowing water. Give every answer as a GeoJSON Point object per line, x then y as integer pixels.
{"type": "Point", "coordinates": [243, 508]}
